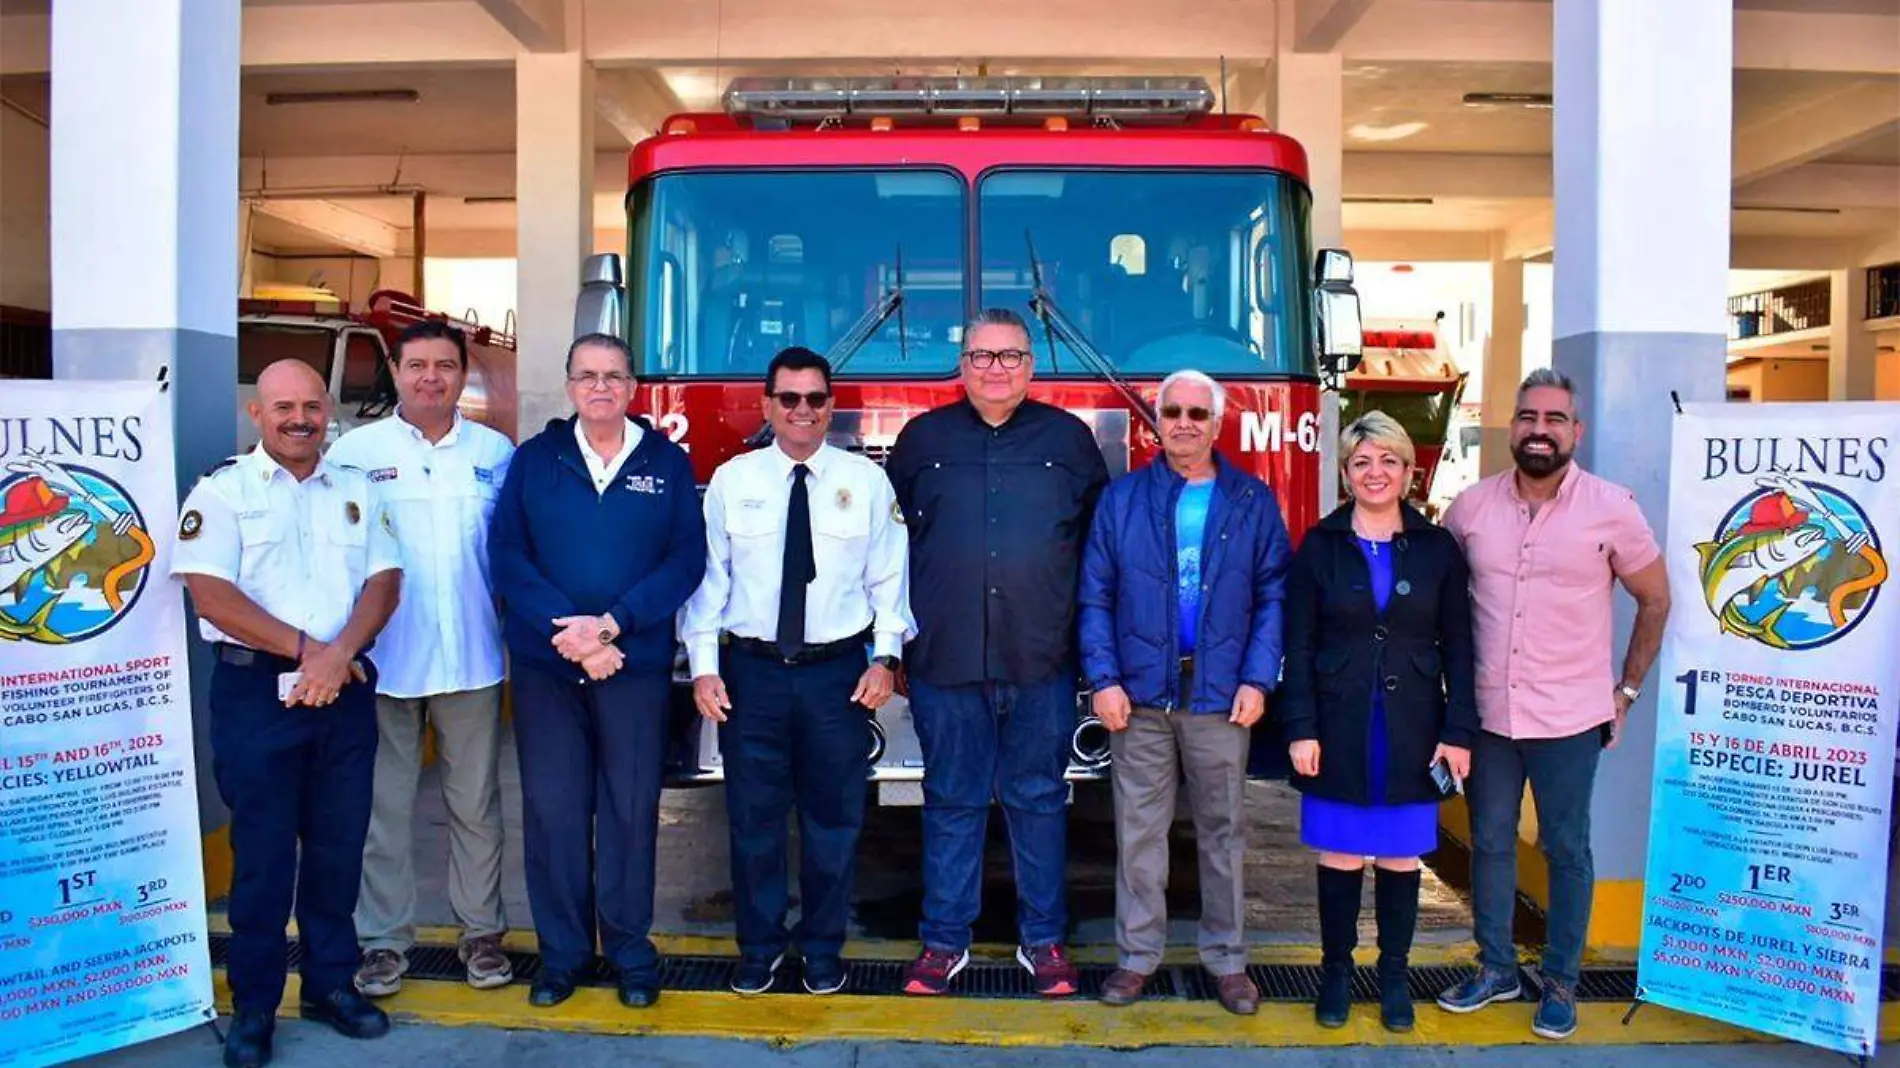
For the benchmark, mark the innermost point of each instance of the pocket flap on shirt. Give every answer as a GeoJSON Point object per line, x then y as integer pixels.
{"type": "Point", "coordinates": [1426, 663]}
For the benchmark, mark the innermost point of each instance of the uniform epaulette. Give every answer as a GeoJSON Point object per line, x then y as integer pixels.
{"type": "Point", "coordinates": [220, 465]}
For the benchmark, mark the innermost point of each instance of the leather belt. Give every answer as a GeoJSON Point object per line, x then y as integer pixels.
{"type": "Point", "coordinates": [244, 656]}
{"type": "Point", "coordinates": [810, 654]}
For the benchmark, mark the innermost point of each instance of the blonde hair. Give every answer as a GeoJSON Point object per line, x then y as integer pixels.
{"type": "Point", "coordinates": [1378, 429]}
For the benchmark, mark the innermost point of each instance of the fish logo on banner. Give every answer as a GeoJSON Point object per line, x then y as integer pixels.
{"type": "Point", "coordinates": [74, 552]}
{"type": "Point", "coordinates": [1794, 565]}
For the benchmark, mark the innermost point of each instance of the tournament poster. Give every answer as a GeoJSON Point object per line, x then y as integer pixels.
{"type": "Point", "coordinates": [102, 913]}
{"type": "Point", "coordinates": [1767, 868]}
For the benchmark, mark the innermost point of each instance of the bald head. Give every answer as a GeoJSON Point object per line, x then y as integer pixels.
{"type": "Point", "coordinates": [292, 412]}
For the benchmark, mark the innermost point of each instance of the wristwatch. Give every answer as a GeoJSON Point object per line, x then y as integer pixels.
{"type": "Point", "coordinates": [1631, 692]}
{"type": "Point", "coordinates": [606, 632]}
{"type": "Point", "coordinates": [888, 663]}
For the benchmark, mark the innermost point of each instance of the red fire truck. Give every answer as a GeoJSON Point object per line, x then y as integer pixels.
{"type": "Point", "coordinates": [1135, 228]}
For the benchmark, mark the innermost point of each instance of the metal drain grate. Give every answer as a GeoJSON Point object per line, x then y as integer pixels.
{"type": "Point", "coordinates": [1007, 979]}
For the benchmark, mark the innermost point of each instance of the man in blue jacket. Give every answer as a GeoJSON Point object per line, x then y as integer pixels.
{"type": "Point", "coordinates": [597, 541]}
{"type": "Point", "coordinates": [1180, 631]}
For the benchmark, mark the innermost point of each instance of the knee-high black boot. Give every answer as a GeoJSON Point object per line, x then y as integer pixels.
{"type": "Point", "coordinates": [1338, 937]}
{"type": "Point", "coordinates": [1395, 902]}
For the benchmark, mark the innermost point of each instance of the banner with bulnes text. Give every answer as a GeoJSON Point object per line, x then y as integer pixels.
{"type": "Point", "coordinates": [102, 912]}
{"type": "Point", "coordinates": [1765, 890]}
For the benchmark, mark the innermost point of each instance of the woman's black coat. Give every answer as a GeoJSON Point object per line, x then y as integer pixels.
{"type": "Point", "coordinates": [1339, 646]}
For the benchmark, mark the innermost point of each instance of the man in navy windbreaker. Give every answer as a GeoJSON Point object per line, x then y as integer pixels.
{"type": "Point", "coordinates": [597, 540]}
{"type": "Point", "coordinates": [1180, 632]}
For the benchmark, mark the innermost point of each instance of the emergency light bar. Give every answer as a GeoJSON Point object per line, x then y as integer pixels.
{"type": "Point", "coordinates": [1116, 98]}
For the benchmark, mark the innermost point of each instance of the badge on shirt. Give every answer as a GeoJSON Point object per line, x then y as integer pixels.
{"type": "Point", "coordinates": [485, 475]}
{"type": "Point", "coordinates": [844, 500]}
{"type": "Point", "coordinates": [383, 474]}
{"type": "Point", "coordinates": [352, 512]}
{"type": "Point", "coordinates": [389, 525]}
{"type": "Point", "coordinates": [897, 513]}
{"type": "Point", "coordinates": [190, 524]}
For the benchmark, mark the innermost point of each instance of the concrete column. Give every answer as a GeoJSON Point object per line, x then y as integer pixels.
{"type": "Point", "coordinates": [1852, 356]}
{"type": "Point", "coordinates": [144, 166]}
{"type": "Point", "coordinates": [1503, 364]}
{"type": "Point", "coordinates": [1309, 106]}
{"type": "Point", "coordinates": [554, 227]}
{"type": "Point", "coordinates": [1642, 257]}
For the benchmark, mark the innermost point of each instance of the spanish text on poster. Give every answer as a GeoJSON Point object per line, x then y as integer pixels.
{"type": "Point", "coordinates": [102, 917]}
{"type": "Point", "coordinates": [1766, 881]}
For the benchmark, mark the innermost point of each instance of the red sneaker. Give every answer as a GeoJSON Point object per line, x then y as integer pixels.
{"type": "Point", "coordinates": [1055, 976]}
{"type": "Point", "coordinates": [932, 971]}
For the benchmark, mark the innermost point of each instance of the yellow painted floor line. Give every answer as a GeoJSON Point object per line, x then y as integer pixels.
{"type": "Point", "coordinates": [791, 1019]}
{"type": "Point", "coordinates": [687, 945]}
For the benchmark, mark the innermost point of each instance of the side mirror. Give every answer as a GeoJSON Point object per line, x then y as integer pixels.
{"type": "Point", "coordinates": [1336, 304]}
{"type": "Point", "coordinates": [601, 307]}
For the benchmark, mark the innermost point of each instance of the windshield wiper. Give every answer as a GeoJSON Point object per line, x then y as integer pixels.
{"type": "Point", "coordinates": [1057, 325]}
{"type": "Point", "coordinates": [890, 302]}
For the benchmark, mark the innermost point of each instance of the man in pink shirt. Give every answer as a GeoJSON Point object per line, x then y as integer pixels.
{"type": "Point", "coordinates": [1547, 542]}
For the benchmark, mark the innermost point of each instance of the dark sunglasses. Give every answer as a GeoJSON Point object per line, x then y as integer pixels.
{"type": "Point", "coordinates": [982, 359]}
{"type": "Point", "coordinates": [1196, 414]}
{"type": "Point", "coordinates": [789, 400]}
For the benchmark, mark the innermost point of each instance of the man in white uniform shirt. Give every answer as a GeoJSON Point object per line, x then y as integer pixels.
{"type": "Point", "coordinates": [439, 662]}
{"type": "Point", "coordinates": [806, 565]}
{"type": "Point", "coordinates": [293, 571]}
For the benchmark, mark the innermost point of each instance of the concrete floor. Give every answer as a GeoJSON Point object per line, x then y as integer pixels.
{"type": "Point", "coordinates": [298, 1044]}
{"type": "Point", "coordinates": [694, 895]}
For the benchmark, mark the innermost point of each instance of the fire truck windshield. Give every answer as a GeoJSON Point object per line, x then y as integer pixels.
{"type": "Point", "coordinates": [1160, 269]}
{"type": "Point", "coordinates": [729, 267]}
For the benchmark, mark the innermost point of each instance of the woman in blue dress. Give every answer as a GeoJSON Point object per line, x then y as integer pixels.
{"type": "Point", "coordinates": [1378, 687]}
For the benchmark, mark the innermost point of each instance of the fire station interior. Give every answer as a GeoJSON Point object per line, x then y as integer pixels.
{"type": "Point", "coordinates": [469, 153]}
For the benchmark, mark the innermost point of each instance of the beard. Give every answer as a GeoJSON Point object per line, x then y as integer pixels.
{"type": "Point", "coordinates": [1540, 464]}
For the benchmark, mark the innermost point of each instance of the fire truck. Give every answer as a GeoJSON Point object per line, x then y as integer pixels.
{"type": "Point", "coordinates": [1137, 230]}
{"type": "Point", "coordinates": [1408, 373]}
{"type": "Point", "coordinates": [351, 351]}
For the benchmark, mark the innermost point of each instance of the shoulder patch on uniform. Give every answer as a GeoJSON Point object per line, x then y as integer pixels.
{"type": "Point", "coordinates": [897, 513]}
{"type": "Point", "coordinates": [389, 525]}
{"type": "Point", "coordinates": [190, 524]}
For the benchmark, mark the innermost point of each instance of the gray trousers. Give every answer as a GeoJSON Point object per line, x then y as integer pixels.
{"type": "Point", "coordinates": [1149, 759]}
{"type": "Point", "coordinates": [468, 743]}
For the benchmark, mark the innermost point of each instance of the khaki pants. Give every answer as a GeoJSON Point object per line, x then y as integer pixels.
{"type": "Point", "coordinates": [468, 742]}
{"type": "Point", "coordinates": [1148, 759]}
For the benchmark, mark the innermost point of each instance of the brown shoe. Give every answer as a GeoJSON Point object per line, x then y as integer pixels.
{"type": "Point", "coordinates": [1237, 994]}
{"type": "Point", "coordinates": [380, 972]}
{"type": "Point", "coordinates": [1123, 987]}
{"type": "Point", "coordinates": [488, 967]}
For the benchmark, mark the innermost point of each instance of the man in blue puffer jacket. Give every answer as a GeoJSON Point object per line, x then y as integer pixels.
{"type": "Point", "coordinates": [1180, 633]}
{"type": "Point", "coordinates": [596, 542]}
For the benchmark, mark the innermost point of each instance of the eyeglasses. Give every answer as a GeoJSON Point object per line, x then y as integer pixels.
{"type": "Point", "coordinates": [984, 359]}
{"type": "Point", "coordinates": [1196, 414]}
{"type": "Point", "coordinates": [789, 400]}
{"type": "Point", "coordinates": [598, 380]}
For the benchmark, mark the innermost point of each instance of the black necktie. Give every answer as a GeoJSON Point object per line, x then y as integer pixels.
{"type": "Point", "coordinates": [798, 570]}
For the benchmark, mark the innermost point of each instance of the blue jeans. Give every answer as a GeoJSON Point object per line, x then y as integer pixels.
{"type": "Point", "coordinates": [793, 735]}
{"type": "Point", "coordinates": [1561, 772]}
{"type": "Point", "coordinates": [1008, 742]}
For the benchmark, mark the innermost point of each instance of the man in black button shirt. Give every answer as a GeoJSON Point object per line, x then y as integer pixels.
{"type": "Point", "coordinates": [997, 492]}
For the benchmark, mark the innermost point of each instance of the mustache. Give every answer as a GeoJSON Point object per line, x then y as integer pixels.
{"type": "Point", "coordinates": [287, 428]}
{"type": "Point", "coordinates": [1539, 438]}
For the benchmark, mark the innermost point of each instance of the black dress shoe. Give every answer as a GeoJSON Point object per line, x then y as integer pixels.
{"type": "Point", "coordinates": [550, 989]}
{"type": "Point", "coordinates": [349, 1012]}
{"type": "Point", "coordinates": [639, 991]}
{"type": "Point", "coordinates": [248, 1044]}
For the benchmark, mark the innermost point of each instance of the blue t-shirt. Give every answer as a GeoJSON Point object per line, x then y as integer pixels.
{"type": "Point", "coordinates": [1190, 529]}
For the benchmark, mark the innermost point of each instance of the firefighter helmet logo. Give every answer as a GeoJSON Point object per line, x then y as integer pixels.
{"type": "Point", "coordinates": [1794, 565]}
{"type": "Point", "coordinates": [74, 552]}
